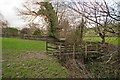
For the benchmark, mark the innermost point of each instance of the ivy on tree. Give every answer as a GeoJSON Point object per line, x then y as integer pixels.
{"type": "Point", "coordinates": [47, 10]}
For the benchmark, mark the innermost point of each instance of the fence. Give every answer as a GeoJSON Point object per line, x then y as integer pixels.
{"type": "Point", "coordinates": [40, 38]}
{"type": "Point", "coordinates": [59, 48]}
{"type": "Point", "coordinates": [6, 35]}
{"type": "Point", "coordinates": [88, 49]}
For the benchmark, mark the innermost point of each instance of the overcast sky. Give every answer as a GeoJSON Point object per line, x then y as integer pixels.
{"type": "Point", "coordinates": [8, 10]}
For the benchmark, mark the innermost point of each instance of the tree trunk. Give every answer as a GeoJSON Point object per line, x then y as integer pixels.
{"type": "Point", "coordinates": [81, 33]}
{"type": "Point", "coordinates": [81, 28]}
{"type": "Point", "coordinates": [103, 39]}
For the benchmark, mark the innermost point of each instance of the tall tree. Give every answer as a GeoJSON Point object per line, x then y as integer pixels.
{"type": "Point", "coordinates": [46, 11]}
{"type": "Point", "coordinates": [80, 29]}
{"type": "Point", "coordinates": [51, 17]}
{"type": "Point", "coordinates": [3, 23]}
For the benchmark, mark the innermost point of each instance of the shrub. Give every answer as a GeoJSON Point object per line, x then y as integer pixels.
{"type": "Point", "coordinates": [50, 34]}
{"type": "Point", "coordinates": [25, 31]}
{"type": "Point", "coordinates": [71, 37]}
{"type": "Point", "coordinates": [10, 31]}
{"type": "Point", "coordinates": [37, 32]}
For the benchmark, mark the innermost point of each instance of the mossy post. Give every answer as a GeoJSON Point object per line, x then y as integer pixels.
{"type": "Point", "coordinates": [60, 51]}
{"type": "Point", "coordinates": [73, 52]}
{"type": "Point", "coordinates": [85, 50]}
{"type": "Point", "coordinates": [46, 46]}
{"type": "Point", "coordinates": [97, 49]}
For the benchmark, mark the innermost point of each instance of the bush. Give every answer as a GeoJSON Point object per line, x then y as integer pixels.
{"type": "Point", "coordinates": [10, 31]}
{"type": "Point", "coordinates": [50, 34]}
{"type": "Point", "coordinates": [37, 32]}
{"type": "Point", "coordinates": [71, 37]}
{"type": "Point", "coordinates": [25, 31]}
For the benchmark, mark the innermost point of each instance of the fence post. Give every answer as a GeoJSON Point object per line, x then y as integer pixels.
{"type": "Point", "coordinates": [60, 51]}
{"type": "Point", "coordinates": [107, 48]}
{"type": "Point", "coordinates": [97, 49]}
{"type": "Point", "coordinates": [85, 55]}
{"type": "Point", "coordinates": [74, 53]}
{"type": "Point", "coordinates": [85, 50]}
{"type": "Point", "coordinates": [46, 46]}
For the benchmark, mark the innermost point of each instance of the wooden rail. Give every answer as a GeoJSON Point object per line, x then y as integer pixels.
{"type": "Point", "coordinates": [62, 48]}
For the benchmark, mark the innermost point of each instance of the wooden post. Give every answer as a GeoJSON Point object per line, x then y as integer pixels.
{"type": "Point", "coordinates": [107, 48]}
{"type": "Point", "coordinates": [97, 49]}
{"type": "Point", "coordinates": [46, 46]}
{"type": "Point", "coordinates": [85, 50]}
{"type": "Point", "coordinates": [74, 53]}
{"type": "Point", "coordinates": [60, 51]}
{"type": "Point", "coordinates": [85, 55]}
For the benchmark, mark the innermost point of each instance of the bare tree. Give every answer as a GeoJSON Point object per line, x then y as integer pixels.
{"type": "Point", "coordinates": [63, 17]}
{"type": "Point", "coordinates": [80, 29]}
{"type": "Point", "coordinates": [3, 23]}
{"type": "Point", "coordinates": [44, 10]}
{"type": "Point", "coordinates": [98, 13]}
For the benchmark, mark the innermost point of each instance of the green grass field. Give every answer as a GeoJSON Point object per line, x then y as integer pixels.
{"type": "Point", "coordinates": [112, 40]}
{"type": "Point", "coordinates": [25, 58]}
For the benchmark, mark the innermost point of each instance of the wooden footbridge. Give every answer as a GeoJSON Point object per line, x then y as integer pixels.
{"type": "Point", "coordinates": [88, 49]}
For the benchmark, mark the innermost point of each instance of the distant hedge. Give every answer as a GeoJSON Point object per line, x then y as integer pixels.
{"type": "Point", "coordinates": [10, 32]}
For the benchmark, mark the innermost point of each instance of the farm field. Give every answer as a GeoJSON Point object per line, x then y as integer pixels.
{"type": "Point", "coordinates": [111, 40]}
{"type": "Point", "coordinates": [26, 58]}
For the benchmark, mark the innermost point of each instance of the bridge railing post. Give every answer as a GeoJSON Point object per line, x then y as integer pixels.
{"type": "Point", "coordinates": [74, 53]}
{"type": "Point", "coordinates": [60, 51]}
{"type": "Point", "coordinates": [97, 49]}
{"type": "Point", "coordinates": [46, 46]}
{"type": "Point", "coordinates": [85, 50]}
